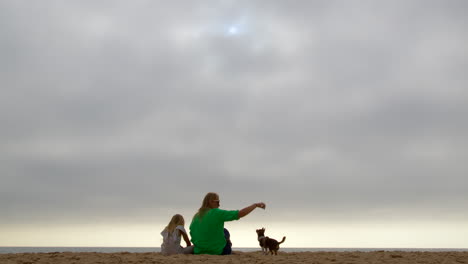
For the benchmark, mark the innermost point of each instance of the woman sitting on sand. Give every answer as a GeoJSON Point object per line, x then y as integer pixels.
{"type": "Point", "coordinates": [171, 237]}
{"type": "Point", "coordinates": [207, 228]}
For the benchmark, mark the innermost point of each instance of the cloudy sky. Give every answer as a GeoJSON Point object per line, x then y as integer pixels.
{"type": "Point", "coordinates": [347, 118]}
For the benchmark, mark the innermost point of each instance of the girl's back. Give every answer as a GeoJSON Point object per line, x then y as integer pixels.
{"type": "Point", "coordinates": [171, 241]}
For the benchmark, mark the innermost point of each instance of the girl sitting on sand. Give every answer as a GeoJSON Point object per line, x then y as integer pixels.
{"type": "Point", "coordinates": [171, 237]}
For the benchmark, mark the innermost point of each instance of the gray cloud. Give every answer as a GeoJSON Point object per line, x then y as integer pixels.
{"type": "Point", "coordinates": [339, 107]}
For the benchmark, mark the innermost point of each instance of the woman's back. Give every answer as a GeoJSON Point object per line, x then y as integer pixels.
{"type": "Point", "coordinates": [207, 232]}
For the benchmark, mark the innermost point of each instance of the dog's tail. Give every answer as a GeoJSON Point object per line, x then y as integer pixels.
{"type": "Point", "coordinates": [284, 238]}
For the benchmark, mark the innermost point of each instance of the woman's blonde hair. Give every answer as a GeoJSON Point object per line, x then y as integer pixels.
{"type": "Point", "coordinates": [206, 203]}
{"type": "Point", "coordinates": [176, 220]}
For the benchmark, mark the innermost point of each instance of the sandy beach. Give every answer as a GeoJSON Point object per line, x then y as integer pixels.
{"type": "Point", "coordinates": [239, 257]}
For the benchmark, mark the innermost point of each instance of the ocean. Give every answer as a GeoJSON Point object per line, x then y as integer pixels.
{"type": "Point", "coordinates": [5, 250]}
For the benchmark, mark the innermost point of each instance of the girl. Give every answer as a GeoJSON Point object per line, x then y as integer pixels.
{"type": "Point", "coordinates": [171, 237]}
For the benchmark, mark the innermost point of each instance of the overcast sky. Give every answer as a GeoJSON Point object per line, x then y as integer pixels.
{"type": "Point", "coordinates": [328, 111]}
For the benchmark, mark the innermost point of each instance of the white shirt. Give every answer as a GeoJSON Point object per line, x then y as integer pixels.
{"type": "Point", "coordinates": [171, 241]}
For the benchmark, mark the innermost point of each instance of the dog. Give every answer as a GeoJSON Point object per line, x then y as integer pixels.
{"type": "Point", "coordinates": [267, 243]}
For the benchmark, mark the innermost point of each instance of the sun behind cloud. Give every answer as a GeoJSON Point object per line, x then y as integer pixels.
{"type": "Point", "coordinates": [233, 30]}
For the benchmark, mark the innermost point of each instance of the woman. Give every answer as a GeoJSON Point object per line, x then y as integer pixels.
{"type": "Point", "coordinates": [207, 228]}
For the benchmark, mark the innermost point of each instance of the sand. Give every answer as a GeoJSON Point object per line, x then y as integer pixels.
{"type": "Point", "coordinates": [239, 257]}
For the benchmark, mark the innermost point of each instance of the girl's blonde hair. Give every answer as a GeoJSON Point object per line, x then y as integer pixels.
{"type": "Point", "coordinates": [206, 204]}
{"type": "Point", "coordinates": [176, 220]}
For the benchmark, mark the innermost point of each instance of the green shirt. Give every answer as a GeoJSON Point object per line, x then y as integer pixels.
{"type": "Point", "coordinates": [208, 232]}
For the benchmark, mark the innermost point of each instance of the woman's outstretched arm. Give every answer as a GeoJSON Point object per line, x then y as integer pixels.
{"type": "Point", "coordinates": [248, 209]}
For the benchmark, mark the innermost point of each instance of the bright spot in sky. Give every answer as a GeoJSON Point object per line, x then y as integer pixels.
{"type": "Point", "coordinates": [233, 30]}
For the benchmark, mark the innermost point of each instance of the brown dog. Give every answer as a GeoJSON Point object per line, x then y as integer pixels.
{"type": "Point", "coordinates": [267, 243]}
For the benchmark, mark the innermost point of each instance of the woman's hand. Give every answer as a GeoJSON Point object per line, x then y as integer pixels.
{"type": "Point", "coordinates": [261, 205]}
